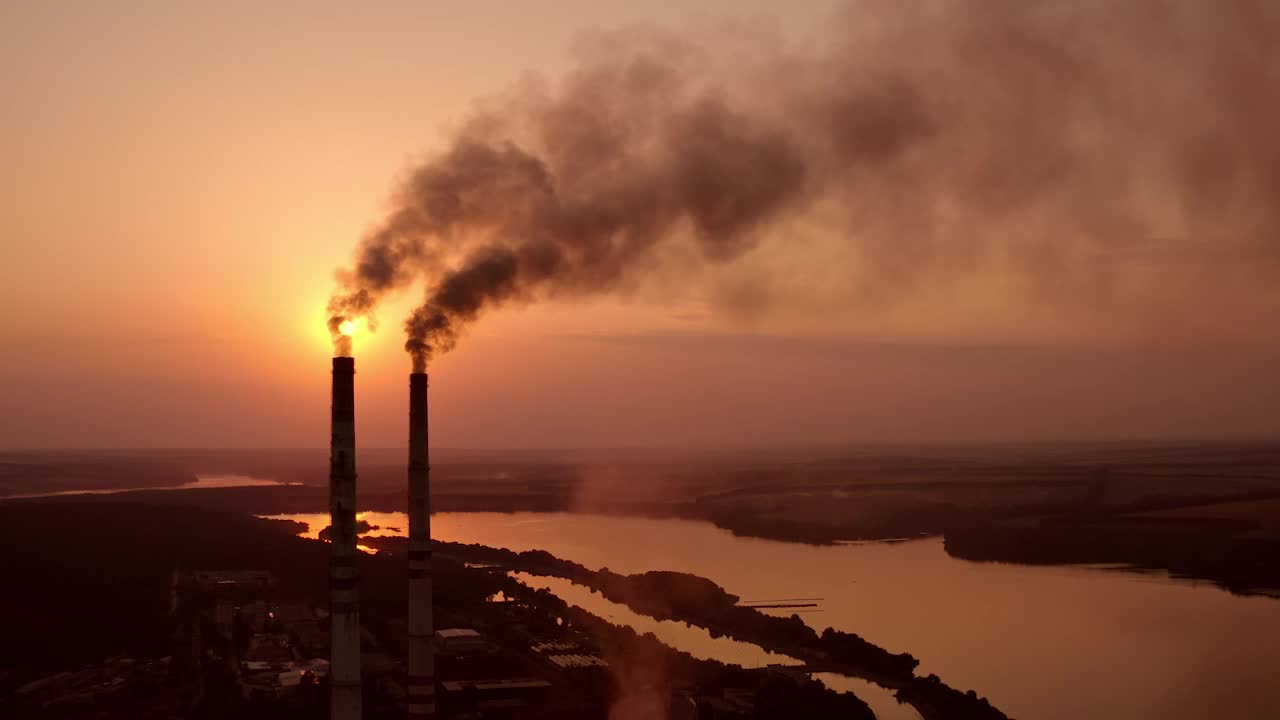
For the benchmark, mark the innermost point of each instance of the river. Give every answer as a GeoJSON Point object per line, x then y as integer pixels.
{"type": "Point", "coordinates": [1042, 643]}
{"type": "Point", "coordinates": [202, 482]}
{"type": "Point", "coordinates": [699, 643]}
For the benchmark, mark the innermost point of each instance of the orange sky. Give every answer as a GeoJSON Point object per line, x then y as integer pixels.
{"type": "Point", "coordinates": [182, 179]}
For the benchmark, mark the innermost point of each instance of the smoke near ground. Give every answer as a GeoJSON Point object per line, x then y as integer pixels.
{"type": "Point", "coordinates": [1114, 155]}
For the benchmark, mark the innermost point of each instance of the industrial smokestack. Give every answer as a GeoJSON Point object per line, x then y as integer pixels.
{"type": "Point", "coordinates": [421, 682]}
{"type": "Point", "coordinates": [344, 615]}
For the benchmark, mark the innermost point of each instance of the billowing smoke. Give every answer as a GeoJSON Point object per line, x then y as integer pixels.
{"type": "Point", "coordinates": [1060, 139]}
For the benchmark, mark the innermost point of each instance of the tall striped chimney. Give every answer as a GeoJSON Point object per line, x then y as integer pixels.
{"type": "Point", "coordinates": [344, 614]}
{"type": "Point", "coordinates": [421, 683]}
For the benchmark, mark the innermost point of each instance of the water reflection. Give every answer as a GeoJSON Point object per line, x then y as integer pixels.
{"type": "Point", "coordinates": [882, 702]}
{"type": "Point", "coordinates": [696, 641]}
{"type": "Point", "coordinates": [202, 482]}
{"type": "Point", "coordinates": [699, 643]}
{"type": "Point", "coordinates": [1040, 642]}
{"type": "Point", "coordinates": [382, 524]}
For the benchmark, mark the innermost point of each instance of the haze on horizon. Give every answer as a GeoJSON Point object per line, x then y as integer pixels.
{"type": "Point", "coordinates": [182, 180]}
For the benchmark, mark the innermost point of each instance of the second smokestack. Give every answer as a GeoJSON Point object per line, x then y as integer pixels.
{"type": "Point", "coordinates": [421, 681]}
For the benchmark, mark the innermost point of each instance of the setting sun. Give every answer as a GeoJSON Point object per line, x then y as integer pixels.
{"type": "Point", "coordinates": [347, 328]}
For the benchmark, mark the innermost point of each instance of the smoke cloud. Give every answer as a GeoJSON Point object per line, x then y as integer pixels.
{"type": "Point", "coordinates": [1099, 149]}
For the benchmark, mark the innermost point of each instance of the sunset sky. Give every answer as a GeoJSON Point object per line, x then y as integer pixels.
{"type": "Point", "coordinates": [182, 179]}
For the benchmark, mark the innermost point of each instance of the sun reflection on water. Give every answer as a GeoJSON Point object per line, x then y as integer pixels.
{"type": "Point", "coordinates": [383, 524]}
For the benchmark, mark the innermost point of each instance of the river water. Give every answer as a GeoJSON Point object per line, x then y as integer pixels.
{"type": "Point", "coordinates": [202, 482]}
{"type": "Point", "coordinates": [1048, 643]}
{"type": "Point", "coordinates": [699, 643]}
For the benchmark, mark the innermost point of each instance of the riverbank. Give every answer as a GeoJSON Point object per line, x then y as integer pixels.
{"type": "Point", "coordinates": [1239, 553]}
{"type": "Point", "coordinates": [700, 602]}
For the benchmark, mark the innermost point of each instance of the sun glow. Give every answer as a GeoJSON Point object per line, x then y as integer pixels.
{"type": "Point", "coordinates": [347, 328]}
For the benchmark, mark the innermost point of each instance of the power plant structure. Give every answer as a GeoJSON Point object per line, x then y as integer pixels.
{"type": "Point", "coordinates": [421, 676]}
{"type": "Point", "coordinates": [344, 609]}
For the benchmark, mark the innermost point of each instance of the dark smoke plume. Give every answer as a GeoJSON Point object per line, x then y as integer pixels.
{"type": "Point", "coordinates": [1061, 139]}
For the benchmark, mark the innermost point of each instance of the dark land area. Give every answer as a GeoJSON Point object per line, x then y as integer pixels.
{"type": "Point", "coordinates": [96, 631]}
